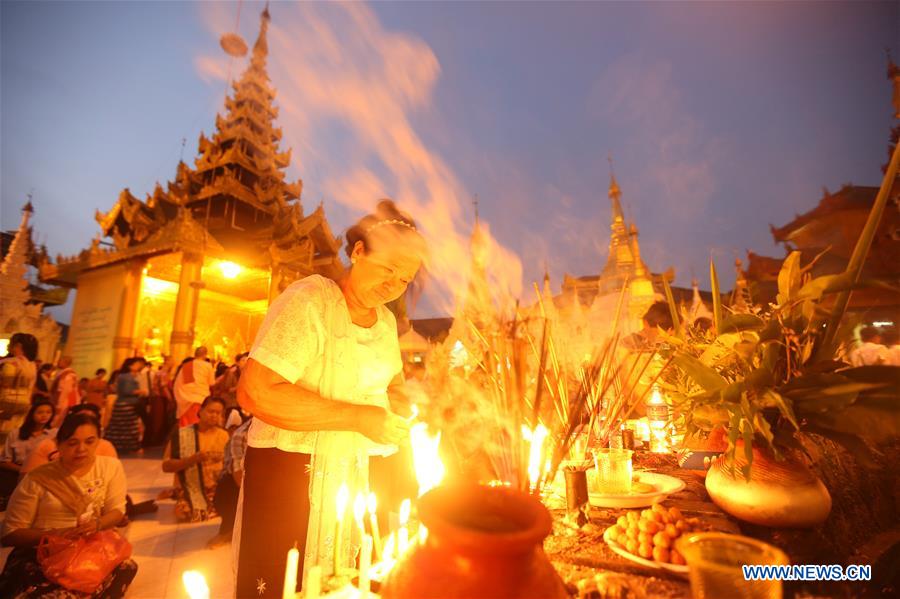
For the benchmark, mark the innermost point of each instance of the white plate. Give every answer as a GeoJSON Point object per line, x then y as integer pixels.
{"type": "Point", "coordinates": [665, 485]}
{"type": "Point", "coordinates": [682, 570]}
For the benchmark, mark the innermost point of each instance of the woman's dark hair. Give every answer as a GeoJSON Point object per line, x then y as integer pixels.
{"type": "Point", "coordinates": [88, 408]}
{"type": "Point", "coordinates": [100, 371]}
{"type": "Point", "coordinates": [71, 423]}
{"type": "Point", "coordinates": [45, 367]}
{"type": "Point", "coordinates": [890, 336]}
{"type": "Point", "coordinates": [27, 428]}
{"type": "Point", "coordinates": [29, 345]}
{"type": "Point", "coordinates": [221, 367]}
{"type": "Point", "coordinates": [386, 216]}
{"type": "Point", "coordinates": [658, 315]}
{"type": "Point", "coordinates": [213, 399]}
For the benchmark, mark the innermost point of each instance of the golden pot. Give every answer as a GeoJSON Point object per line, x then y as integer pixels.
{"type": "Point", "coordinates": [780, 494]}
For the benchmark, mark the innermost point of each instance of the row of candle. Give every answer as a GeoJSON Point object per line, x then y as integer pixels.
{"type": "Point", "coordinates": [370, 543]}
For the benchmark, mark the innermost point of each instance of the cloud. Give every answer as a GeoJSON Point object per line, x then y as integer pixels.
{"type": "Point", "coordinates": [679, 153]}
{"type": "Point", "coordinates": [348, 89]}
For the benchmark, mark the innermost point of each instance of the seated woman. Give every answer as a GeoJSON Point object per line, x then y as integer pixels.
{"type": "Point", "coordinates": [196, 454]}
{"type": "Point", "coordinates": [21, 443]}
{"type": "Point", "coordinates": [76, 495]}
{"type": "Point", "coordinates": [47, 451]}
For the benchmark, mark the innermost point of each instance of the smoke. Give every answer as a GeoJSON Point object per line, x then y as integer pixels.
{"type": "Point", "coordinates": [348, 90]}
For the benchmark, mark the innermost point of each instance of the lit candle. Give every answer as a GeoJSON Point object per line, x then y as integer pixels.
{"type": "Point", "coordinates": [290, 573]}
{"type": "Point", "coordinates": [365, 562]}
{"type": "Point", "coordinates": [403, 533]}
{"type": "Point", "coordinates": [195, 584]}
{"type": "Point", "coordinates": [373, 520]}
{"type": "Point", "coordinates": [313, 586]}
{"type": "Point", "coordinates": [343, 497]}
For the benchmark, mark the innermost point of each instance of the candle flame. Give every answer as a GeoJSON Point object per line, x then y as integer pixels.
{"type": "Point", "coordinates": [656, 397]}
{"type": "Point", "coordinates": [404, 512]}
{"type": "Point", "coordinates": [536, 440]}
{"type": "Point", "coordinates": [426, 457]}
{"type": "Point", "coordinates": [414, 409]}
{"type": "Point", "coordinates": [371, 504]}
{"type": "Point", "coordinates": [195, 584]}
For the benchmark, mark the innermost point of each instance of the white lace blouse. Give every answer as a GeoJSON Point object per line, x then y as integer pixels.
{"type": "Point", "coordinates": [308, 338]}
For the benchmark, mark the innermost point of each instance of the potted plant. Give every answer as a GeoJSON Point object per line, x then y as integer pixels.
{"type": "Point", "coordinates": [768, 377]}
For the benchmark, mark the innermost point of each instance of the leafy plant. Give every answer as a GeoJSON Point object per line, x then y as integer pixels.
{"type": "Point", "coordinates": [765, 377]}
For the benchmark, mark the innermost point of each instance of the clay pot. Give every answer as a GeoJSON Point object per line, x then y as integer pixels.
{"type": "Point", "coordinates": [482, 542]}
{"type": "Point", "coordinates": [781, 494]}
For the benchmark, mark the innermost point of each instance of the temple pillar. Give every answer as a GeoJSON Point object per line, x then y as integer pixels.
{"type": "Point", "coordinates": [189, 286]}
{"type": "Point", "coordinates": [123, 342]}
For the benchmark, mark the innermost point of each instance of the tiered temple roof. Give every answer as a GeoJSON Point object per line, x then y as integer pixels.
{"type": "Point", "coordinates": [234, 203]}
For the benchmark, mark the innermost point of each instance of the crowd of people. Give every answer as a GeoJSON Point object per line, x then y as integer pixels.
{"type": "Point", "coordinates": [61, 439]}
{"type": "Point", "coordinates": [877, 346]}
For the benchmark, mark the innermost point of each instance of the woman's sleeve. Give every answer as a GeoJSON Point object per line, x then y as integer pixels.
{"type": "Point", "coordinates": [116, 488]}
{"type": "Point", "coordinates": [292, 335]}
{"type": "Point", "coordinates": [23, 506]}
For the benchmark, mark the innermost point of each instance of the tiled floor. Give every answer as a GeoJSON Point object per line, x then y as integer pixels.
{"type": "Point", "coordinates": [163, 548]}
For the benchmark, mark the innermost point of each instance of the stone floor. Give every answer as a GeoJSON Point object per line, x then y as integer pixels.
{"type": "Point", "coordinates": [163, 548]}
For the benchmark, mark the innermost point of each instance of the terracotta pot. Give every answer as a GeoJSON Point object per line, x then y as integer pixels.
{"type": "Point", "coordinates": [783, 494]}
{"type": "Point", "coordinates": [482, 542]}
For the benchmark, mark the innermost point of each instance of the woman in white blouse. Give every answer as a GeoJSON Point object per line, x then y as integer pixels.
{"type": "Point", "coordinates": [76, 495]}
{"type": "Point", "coordinates": [317, 383]}
{"type": "Point", "coordinates": [21, 443]}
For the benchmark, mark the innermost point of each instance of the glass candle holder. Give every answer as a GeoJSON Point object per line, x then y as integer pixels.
{"type": "Point", "coordinates": [613, 466]}
{"type": "Point", "coordinates": [714, 563]}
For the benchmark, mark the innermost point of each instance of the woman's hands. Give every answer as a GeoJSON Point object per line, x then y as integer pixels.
{"type": "Point", "coordinates": [382, 426]}
{"type": "Point", "coordinates": [206, 457]}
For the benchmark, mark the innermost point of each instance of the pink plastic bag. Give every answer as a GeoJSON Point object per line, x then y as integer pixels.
{"type": "Point", "coordinates": [82, 564]}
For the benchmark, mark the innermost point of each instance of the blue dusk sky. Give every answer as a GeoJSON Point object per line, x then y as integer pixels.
{"type": "Point", "coordinates": [722, 118]}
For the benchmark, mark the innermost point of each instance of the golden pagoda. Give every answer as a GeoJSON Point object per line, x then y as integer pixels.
{"type": "Point", "coordinates": [199, 261]}
{"type": "Point", "coordinates": [624, 268]}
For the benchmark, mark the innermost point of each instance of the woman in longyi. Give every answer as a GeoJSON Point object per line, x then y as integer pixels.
{"type": "Point", "coordinates": [317, 382]}
{"type": "Point", "coordinates": [195, 454]}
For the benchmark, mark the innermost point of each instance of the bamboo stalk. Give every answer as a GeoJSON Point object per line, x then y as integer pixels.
{"type": "Point", "coordinates": [861, 250]}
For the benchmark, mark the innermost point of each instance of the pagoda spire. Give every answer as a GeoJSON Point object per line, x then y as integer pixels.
{"type": "Point", "coordinates": [14, 268]}
{"type": "Point", "coordinates": [261, 47]}
{"type": "Point", "coordinates": [615, 198]}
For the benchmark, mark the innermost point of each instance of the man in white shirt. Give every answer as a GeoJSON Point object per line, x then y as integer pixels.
{"type": "Point", "coordinates": [892, 341]}
{"type": "Point", "coordinates": [192, 385]}
{"type": "Point", "coordinates": [870, 352]}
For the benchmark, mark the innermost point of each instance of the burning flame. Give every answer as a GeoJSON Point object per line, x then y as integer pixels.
{"type": "Point", "coordinates": [535, 453]}
{"type": "Point", "coordinates": [230, 270]}
{"type": "Point", "coordinates": [426, 457]}
{"type": "Point", "coordinates": [195, 584]}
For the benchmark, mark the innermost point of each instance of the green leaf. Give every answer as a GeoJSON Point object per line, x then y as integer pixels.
{"type": "Point", "coordinates": [703, 375]}
{"type": "Point", "coordinates": [789, 278]}
{"type": "Point", "coordinates": [741, 322]}
{"type": "Point", "coordinates": [784, 407]}
{"type": "Point", "coordinates": [819, 286]}
{"type": "Point", "coordinates": [673, 309]}
{"type": "Point", "coordinates": [716, 297]}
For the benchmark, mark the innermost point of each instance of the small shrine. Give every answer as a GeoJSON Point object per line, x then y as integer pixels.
{"type": "Point", "coordinates": [21, 301]}
{"type": "Point", "coordinates": [198, 261]}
